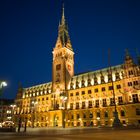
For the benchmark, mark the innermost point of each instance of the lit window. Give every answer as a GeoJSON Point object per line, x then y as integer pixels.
{"type": "Point", "coordinates": [110, 88]}
{"type": "Point", "coordinates": [89, 92]}
{"type": "Point", "coordinates": [120, 100]}
{"type": "Point", "coordinates": [96, 90]}
{"type": "Point", "coordinates": [135, 98]}
{"type": "Point", "coordinates": [83, 92]}
{"type": "Point", "coordinates": [77, 93]}
{"type": "Point", "coordinates": [118, 86]}
{"type": "Point", "coordinates": [103, 88]}
{"type": "Point", "coordinates": [106, 114]}
{"type": "Point", "coordinates": [71, 94]}
{"type": "Point", "coordinates": [122, 113]}
{"type": "Point", "coordinates": [130, 84]}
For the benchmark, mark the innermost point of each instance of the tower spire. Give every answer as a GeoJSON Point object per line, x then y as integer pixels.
{"type": "Point", "coordinates": [63, 34]}
{"type": "Point", "coordinates": [127, 55]}
{"type": "Point", "coordinates": [63, 15]}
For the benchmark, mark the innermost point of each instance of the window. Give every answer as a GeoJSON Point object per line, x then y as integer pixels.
{"type": "Point", "coordinates": [72, 124]}
{"type": "Point", "coordinates": [83, 105]}
{"type": "Point", "coordinates": [89, 92]}
{"type": "Point", "coordinates": [83, 92]}
{"type": "Point", "coordinates": [120, 100]}
{"type": "Point", "coordinates": [84, 115]}
{"type": "Point", "coordinates": [72, 117]}
{"type": "Point", "coordinates": [137, 111]}
{"type": "Point", "coordinates": [78, 123]}
{"type": "Point", "coordinates": [135, 98]}
{"type": "Point", "coordinates": [85, 124]}
{"type": "Point", "coordinates": [122, 113]}
{"type": "Point", "coordinates": [135, 82]}
{"type": "Point", "coordinates": [42, 99]}
{"type": "Point", "coordinates": [110, 88]}
{"type": "Point", "coordinates": [112, 101]}
{"type": "Point", "coordinates": [71, 105]}
{"type": "Point", "coordinates": [91, 115]}
{"type": "Point", "coordinates": [78, 116]}
{"type": "Point", "coordinates": [90, 104]}
{"type": "Point", "coordinates": [77, 93]}
{"type": "Point", "coordinates": [77, 105]}
{"type": "Point", "coordinates": [103, 88]}
{"type": "Point", "coordinates": [97, 103]}
{"type": "Point", "coordinates": [130, 84]}
{"type": "Point", "coordinates": [71, 94]}
{"type": "Point", "coordinates": [96, 90]}
{"type": "Point", "coordinates": [98, 114]}
{"type": "Point", "coordinates": [104, 103]}
{"type": "Point", "coordinates": [130, 72]}
{"type": "Point", "coordinates": [124, 122]}
{"type": "Point", "coordinates": [106, 114]}
{"type": "Point", "coordinates": [58, 67]}
{"type": "Point", "coordinates": [118, 86]}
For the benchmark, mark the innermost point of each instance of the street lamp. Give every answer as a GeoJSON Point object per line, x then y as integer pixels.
{"type": "Point", "coordinates": [2, 84]}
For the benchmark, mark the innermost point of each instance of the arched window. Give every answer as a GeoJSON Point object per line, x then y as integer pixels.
{"type": "Point", "coordinates": [106, 114]}
{"type": "Point", "coordinates": [122, 113]}
{"type": "Point", "coordinates": [91, 115]}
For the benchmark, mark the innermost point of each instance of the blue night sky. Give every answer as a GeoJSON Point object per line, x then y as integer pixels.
{"type": "Point", "coordinates": [28, 32]}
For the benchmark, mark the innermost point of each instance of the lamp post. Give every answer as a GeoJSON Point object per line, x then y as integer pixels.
{"type": "Point", "coordinates": [34, 103]}
{"type": "Point", "coordinates": [2, 85]}
{"type": "Point", "coordinates": [12, 113]}
{"type": "Point", "coordinates": [116, 122]}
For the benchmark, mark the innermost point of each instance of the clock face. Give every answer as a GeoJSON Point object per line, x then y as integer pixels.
{"type": "Point", "coordinates": [69, 67]}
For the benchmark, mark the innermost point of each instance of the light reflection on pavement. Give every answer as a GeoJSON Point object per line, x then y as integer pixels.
{"type": "Point", "coordinates": [91, 134]}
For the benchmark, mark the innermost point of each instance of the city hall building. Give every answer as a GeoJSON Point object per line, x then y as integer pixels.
{"type": "Point", "coordinates": [84, 100]}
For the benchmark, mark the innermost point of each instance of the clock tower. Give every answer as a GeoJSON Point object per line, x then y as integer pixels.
{"type": "Point", "coordinates": [63, 59]}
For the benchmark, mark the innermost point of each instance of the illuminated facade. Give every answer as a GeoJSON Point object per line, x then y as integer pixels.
{"type": "Point", "coordinates": [81, 100]}
{"type": "Point", "coordinates": [6, 112]}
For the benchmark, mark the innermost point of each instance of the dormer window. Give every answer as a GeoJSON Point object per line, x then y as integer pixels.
{"type": "Point", "coordinates": [130, 72]}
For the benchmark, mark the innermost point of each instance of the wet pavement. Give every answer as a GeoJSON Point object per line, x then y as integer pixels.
{"type": "Point", "coordinates": [74, 134]}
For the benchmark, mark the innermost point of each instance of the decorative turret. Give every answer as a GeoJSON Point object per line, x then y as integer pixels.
{"type": "Point", "coordinates": [117, 76]}
{"type": "Point", "coordinates": [95, 79]}
{"type": "Point", "coordinates": [129, 66]}
{"type": "Point", "coordinates": [71, 84]}
{"type": "Point", "coordinates": [83, 82]}
{"type": "Point", "coordinates": [77, 82]}
{"type": "Point", "coordinates": [89, 80]}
